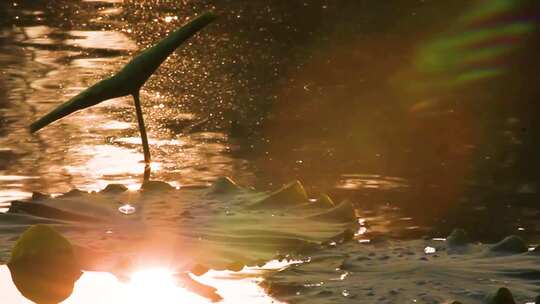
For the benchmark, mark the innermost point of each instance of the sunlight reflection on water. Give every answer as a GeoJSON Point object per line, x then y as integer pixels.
{"type": "Point", "coordinates": [7, 195]}
{"type": "Point", "coordinates": [100, 146]}
{"type": "Point", "coordinates": [156, 285]}
{"type": "Point", "coordinates": [106, 160]}
{"type": "Point", "coordinates": [370, 181]}
{"type": "Point", "coordinates": [101, 39]}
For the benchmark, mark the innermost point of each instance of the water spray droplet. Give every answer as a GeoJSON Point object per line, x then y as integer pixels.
{"type": "Point", "coordinates": [429, 250]}
{"type": "Point", "coordinates": [127, 209]}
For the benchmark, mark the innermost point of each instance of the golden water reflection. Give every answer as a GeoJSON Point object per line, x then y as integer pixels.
{"type": "Point", "coordinates": [157, 285]}
{"type": "Point", "coordinates": [101, 145]}
{"type": "Point", "coordinates": [13, 194]}
{"type": "Point", "coordinates": [103, 39]}
{"type": "Point", "coordinates": [370, 181]}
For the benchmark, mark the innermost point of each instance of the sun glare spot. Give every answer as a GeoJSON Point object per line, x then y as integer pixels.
{"type": "Point", "coordinates": [134, 186]}
{"type": "Point", "coordinates": [159, 285]}
{"type": "Point", "coordinates": [152, 277]}
{"type": "Point", "coordinates": [168, 19]}
{"type": "Point", "coordinates": [7, 195]}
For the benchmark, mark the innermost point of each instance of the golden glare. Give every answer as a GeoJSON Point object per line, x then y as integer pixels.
{"type": "Point", "coordinates": [158, 285]}
{"type": "Point", "coordinates": [96, 161]}
{"type": "Point", "coordinates": [8, 195]}
{"type": "Point", "coordinates": [134, 186]}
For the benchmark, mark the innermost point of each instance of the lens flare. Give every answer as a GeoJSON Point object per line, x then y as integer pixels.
{"type": "Point", "coordinates": [158, 285]}
{"type": "Point", "coordinates": [476, 46]}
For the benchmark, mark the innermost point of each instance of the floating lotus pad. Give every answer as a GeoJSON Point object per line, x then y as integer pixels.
{"type": "Point", "coordinates": [344, 212]}
{"type": "Point", "coordinates": [502, 296]}
{"type": "Point", "coordinates": [510, 244]}
{"type": "Point", "coordinates": [48, 212]}
{"type": "Point", "coordinates": [224, 185]}
{"type": "Point", "coordinates": [156, 186]}
{"type": "Point", "coordinates": [458, 237]}
{"type": "Point", "coordinates": [115, 188]}
{"type": "Point", "coordinates": [39, 196]}
{"type": "Point", "coordinates": [400, 271]}
{"type": "Point", "coordinates": [189, 228]}
{"type": "Point", "coordinates": [289, 195]}
{"type": "Point", "coordinates": [324, 201]}
{"type": "Point", "coordinates": [43, 265]}
{"type": "Point", "coordinates": [40, 241]}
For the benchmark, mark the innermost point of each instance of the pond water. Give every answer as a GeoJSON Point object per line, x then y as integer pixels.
{"type": "Point", "coordinates": [419, 112]}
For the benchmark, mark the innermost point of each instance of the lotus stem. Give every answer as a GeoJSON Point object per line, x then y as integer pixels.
{"type": "Point", "coordinates": [147, 171]}
{"type": "Point", "coordinates": [142, 129]}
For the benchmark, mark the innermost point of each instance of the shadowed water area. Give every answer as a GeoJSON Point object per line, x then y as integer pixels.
{"type": "Point", "coordinates": [423, 114]}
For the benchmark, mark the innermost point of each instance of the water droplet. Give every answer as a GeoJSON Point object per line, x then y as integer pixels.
{"type": "Point", "coordinates": [429, 250]}
{"type": "Point", "coordinates": [361, 230]}
{"type": "Point", "coordinates": [126, 209]}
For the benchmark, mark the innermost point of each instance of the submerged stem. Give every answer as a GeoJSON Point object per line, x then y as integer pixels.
{"type": "Point", "coordinates": [147, 171]}
{"type": "Point", "coordinates": [142, 129]}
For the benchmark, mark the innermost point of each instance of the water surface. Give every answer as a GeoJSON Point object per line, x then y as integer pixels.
{"type": "Point", "coordinates": [420, 112]}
